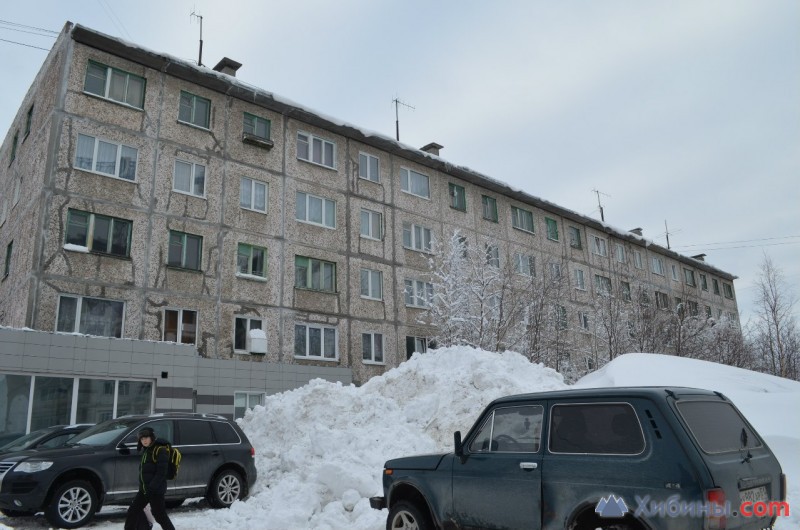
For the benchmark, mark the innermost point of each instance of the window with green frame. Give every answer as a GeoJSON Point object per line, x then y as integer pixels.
{"type": "Point", "coordinates": [458, 197]}
{"type": "Point", "coordinates": [489, 205]}
{"type": "Point", "coordinates": [314, 274]}
{"type": "Point", "coordinates": [185, 250]}
{"type": "Point", "coordinates": [522, 219]}
{"type": "Point", "coordinates": [256, 126]}
{"type": "Point", "coordinates": [99, 233]}
{"type": "Point", "coordinates": [116, 85]}
{"type": "Point", "coordinates": [194, 110]}
{"type": "Point", "coordinates": [251, 260]}
{"type": "Point", "coordinates": [552, 228]}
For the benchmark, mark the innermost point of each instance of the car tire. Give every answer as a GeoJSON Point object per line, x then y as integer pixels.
{"type": "Point", "coordinates": [16, 513]}
{"type": "Point", "coordinates": [226, 487]}
{"type": "Point", "coordinates": [405, 515]}
{"type": "Point", "coordinates": [173, 503]}
{"type": "Point", "coordinates": [72, 505]}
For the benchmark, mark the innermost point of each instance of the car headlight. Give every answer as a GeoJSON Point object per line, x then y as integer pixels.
{"type": "Point", "coordinates": [33, 467]}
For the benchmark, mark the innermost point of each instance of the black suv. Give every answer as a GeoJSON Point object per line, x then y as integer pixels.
{"type": "Point", "coordinates": [101, 466]}
{"type": "Point", "coordinates": [614, 459]}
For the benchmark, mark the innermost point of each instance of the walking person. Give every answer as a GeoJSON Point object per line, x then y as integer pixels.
{"type": "Point", "coordinates": [152, 482]}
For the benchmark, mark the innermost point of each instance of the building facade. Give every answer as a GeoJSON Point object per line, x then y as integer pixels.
{"type": "Point", "coordinates": [142, 197]}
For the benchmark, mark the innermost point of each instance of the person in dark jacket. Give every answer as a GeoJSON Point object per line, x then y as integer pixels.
{"type": "Point", "coordinates": [152, 482]}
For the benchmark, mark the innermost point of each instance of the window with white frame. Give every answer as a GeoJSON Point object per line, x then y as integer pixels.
{"type": "Point", "coordinates": [637, 260]}
{"type": "Point", "coordinates": [418, 293]}
{"type": "Point", "coordinates": [116, 85]}
{"type": "Point", "coordinates": [625, 290]}
{"type": "Point", "coordinates": [90, 316]}
{"type": "Point", "coordinates": [256, 126]}
{"type": "Point", "coordinates": [98, 233]}
{"type": "Point", "coordinates": [688, 277]}
{"type": "Point", "coordinates": [703, 282]}
{"type": "Point", "coordinates": [728, 290]}
{"type": "Point", "coordinates": [657, 266]}
{"type": "Point", "coordinates": [715, 285]}
{"type": "Point", "coordinates": [560, 313]}
{"type": "Point", "coordinates": [194, 110]}
{"type": "Point", "coordinates": [599, 246]}
{"type": "Point", "coordinates": [180, 325]}
{"type": "Point", "coordinates": [417, 237]}
{"type": "Point", "coordinates": [522, 219]}
{"type": "Point", "coordinates": [583, 320]}
{"type": "Point", "coordinates": [185, 250]}
{"type": "Point", "coordinates": [674, 269]}
{"type": "Point", "coordinates": [190, 178]}
{"type": "Point", "coordinates": [555, 270]}
{"type": "Point", "coordinates": [524, 264]}
{"type": "Point", "coordinates": [489, 207]}
{"type": "Point", "coordinates": [458, 197]}
{"type": "Point", "coordinates": [372, 347]}
{"type": "Point", "coordinates": [315, 341]}
{"type": "Point", "coordinates": [619, 250]}
{"type": "Point", "coordinates": [316, 210]}
{"type": "Point", "coordinates": [242, 401]}
{"type": "Point", "coordinates": [580, 280]}
{"type": "Point", "coordinates": [369, 167]}
{"type": "Point", "coordinates": [241, 331]}
{"type": "Point", "coordinates": [314, 274]}
{"type": "Point", "coordinates": [416, 345]}
{"type": "Point", "coordinates": [575, 237]}
{"type": "Point", "coordinates": [602, 284]}
{"type": "Point", "coordinates": [662, 300]}
{"type": "Point", "coordinates": [415, 183]}
{"type": "Point", "coordinates": [316, 150]}
{"type": "Point", "coordinates": [371, 284]}
{"type": "Point", "coordinates": [107, 158]}
{"type": "Point", "coordinates": [552, 228]}
{"type": "Point", "coordinates": [694, 308]}
{"type": "Point", "coordinates": [492, 255]}
{"type": "Point", "coordinates": [371, 224]}
{"type": "Point", "coordinates": [253, 195]}
{"type": "Point", "coordinates": [251, 261]}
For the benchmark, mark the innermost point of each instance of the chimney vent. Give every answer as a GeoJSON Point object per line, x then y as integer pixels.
{"type": "Point", "coordinates": [699, 257]}
{"type": "Point", "coordinates": [228, 66]}
{"type": "Point", "coordinates": [637, 231]}
{"type": "Point", "coordinates": [432, 148]}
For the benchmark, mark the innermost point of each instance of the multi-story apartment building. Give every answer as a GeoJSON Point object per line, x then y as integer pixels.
{"type": "Point", "coordinates": [144, 197]}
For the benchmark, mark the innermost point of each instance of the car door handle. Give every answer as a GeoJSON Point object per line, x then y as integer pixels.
{"type": "Point", "coordinates": [527, 466]}
{"type": "Point", "coordinates": [214, 453]}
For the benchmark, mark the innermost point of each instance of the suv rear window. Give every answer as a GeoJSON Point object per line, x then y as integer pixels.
{"type": "Point", "coordinates": [597, 428]}
{"type": "Point", "coordinates": [717, 426]}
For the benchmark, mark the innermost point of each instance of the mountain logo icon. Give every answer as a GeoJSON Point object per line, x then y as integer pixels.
{"type": "Point", "coordinates": [611, 506]}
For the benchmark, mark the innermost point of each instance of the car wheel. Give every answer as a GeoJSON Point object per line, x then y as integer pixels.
{"type": "Point", "coordinates": [406, 516]}
{"type": "Point", "coordinates": [16, 513]}
{"type": "Point", "coordinates": [226, 487]}
{"type": "Point", "coordinates": [173, 503]}
{"type": "Point", "coordinates": [73, 504]}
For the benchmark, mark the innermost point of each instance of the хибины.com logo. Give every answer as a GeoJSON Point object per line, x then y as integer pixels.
{"type": "Point", "coordinates": [614, 506]}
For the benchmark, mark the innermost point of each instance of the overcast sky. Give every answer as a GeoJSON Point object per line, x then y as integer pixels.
{"type": "Point", "coordinates": [684, 111]}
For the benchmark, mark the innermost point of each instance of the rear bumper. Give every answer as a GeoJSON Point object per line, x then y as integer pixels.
{"type": "Point", "coordinates": [377, 503]}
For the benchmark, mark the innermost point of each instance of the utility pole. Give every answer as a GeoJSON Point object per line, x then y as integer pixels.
{"type": "Point", "coordinates": [666, 231]}
{"type": "Point", "coordinates": [397, 103]}
{"type": "Point", "coordinates": [200, 53]}
{"type": "Point", "coordinates": [599, 205]}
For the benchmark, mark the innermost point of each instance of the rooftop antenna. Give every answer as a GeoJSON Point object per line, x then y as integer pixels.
{"type": "Point", "coordinates": [200, 53]}
{"type": "Point", "coordinates": [666, 232]}
{"type": "Point", "coordinates": [599, 205]}
{"type": "Point", "coordinates": [397, 103]}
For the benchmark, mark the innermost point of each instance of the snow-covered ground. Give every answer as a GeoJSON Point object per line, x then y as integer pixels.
{"type": "Point", "coordinates": [320, 449]}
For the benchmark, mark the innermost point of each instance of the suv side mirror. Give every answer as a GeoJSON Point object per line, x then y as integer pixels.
{"type": "Point", "coordinates": [459, 446]}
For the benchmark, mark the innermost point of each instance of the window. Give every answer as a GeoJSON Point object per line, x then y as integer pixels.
{"type": "Point", "coordinates": [728, 290]}
{"type": "Point", "coordinates": [708, 311]}
{"type": "Point", "coordinates": [674, 269]}
{"type": "Point", "coordinates": [372, 347]}
{"type": "Point", "coordinates": [418, 293]}
{"type": "Point", "coordinates": [524, 264]}
{"type": "Point", "coordinates": [662, 300]}
{"type": "Point", "coordinates": [489, 205]}
{"type": "Point", "coordinates": [9, 250]}
{"type": "Point", "coordinates": [658, 266]}
{"type": "Point", "coordinates": [189, 178]}
{"type": "Point", "coordinates": [703, 282]}
{"type": "Point", "coordinates": [251, 261]}
{"type": "Point", "coordinates": [458, 197]}
{"type": "Point", "coordinates": [522, 219]}
{"type": "Point", "coordinates": [316, 150]}
{"type": "Point", "coordinates": [715, 285]}
{"type": "Point", "coordinates": [99, 233]}
{"type": "Point", "coordinates": [29, 121]}
{"type": "Point", "coordinates": [369, 167]}
{"type": "Point", "coordinates": [510, 430]}
{"type": "Point", "coordinates": [241, 402]}
{"type": "Point", "coordinates": [583, 320]}
{"type": "Point", "coordinates": [371, 224]}
{"type": "Point", "coordinates": [314, 274]}
{"type": "Point", "coordinates": [417, 237]}
{"type": "Point", "coordinates": [253, 125]}
{"type": "Point", "coordinates": [599, 246]}
{"type": "Point", "coordinates": [180, 325]}
{"type": "Point", "coordinates": [241, 329]}
{"type": "Point", "coordinates": [620, 252]}
{"type": "Point", "coordinates": [552, 229]}
{"type": "Point", "coordinates": [315, 341]}
{"type": "Point", "coordinates": [575, 237]}
{"type": "Point", "coordinates": [416, 344]}
{"type": "Point", "coordinates": [14, 147]}
{"type": "Point", "coordinates": [580, 281]}
{"type": "Point", "coordinates": [561, 317]}
{"type": "Point", "coordinates": [371, 284]}
{"type": "Point", "coordinates": [492, 255]}
{"type": "Point", "coordinates": [625, 289]}
{"type": "Point", "coordinates": [113, 84]}
{"type": "Point", "coordinates": [90, 316]}
{"type": "Point", "coordinates": [316, 210]}
{"type": "Point", "coordinates": [688, 277]}
{"type": "Point", "coordinates": [694, 309]}
{"type": "Point", "coordinates": [194, 110]}
{"type": "Point", "coordinates": [555, 271]}
{"type": "Point", "coordinates": [107, 158]}
{"type": "Point", "coordinates": [185, 250]}
{"type": "Point", "coordinates": [414, 183]}
{"type": "Point", "coordinates": [603, 428]}
{"type": "Point", "coordinates": [253, 195]}
{"type": "Point", "coordinates": [679, 305]}
{"type": "Point", "coordinates": [602, 284]}
{"type": "Point", "coordinates": [637, 259]}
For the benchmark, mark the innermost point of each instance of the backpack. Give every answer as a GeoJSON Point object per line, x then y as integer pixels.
{"type": "Point", "coordinates": [174, 460]}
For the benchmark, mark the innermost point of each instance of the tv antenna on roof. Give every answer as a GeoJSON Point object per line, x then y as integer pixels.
{"type": "Point", "coordinates": [599, 205]}
{"type": "Point", "coordinates": [200, 53]}
{"type": "Point", "coordinates": [397, 103]}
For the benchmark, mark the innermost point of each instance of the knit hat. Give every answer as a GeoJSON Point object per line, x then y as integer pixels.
{"type": "Point", "coordinates": [144, 432]}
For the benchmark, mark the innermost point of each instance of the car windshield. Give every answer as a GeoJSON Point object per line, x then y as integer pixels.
{"type": "Point", "coordinates": [103, 433]}
{"type": "Point", "coordinates": [21, 443]}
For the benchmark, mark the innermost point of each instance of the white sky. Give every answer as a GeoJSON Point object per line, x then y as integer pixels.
{"type": "Point", "coordinates": [686, 112]}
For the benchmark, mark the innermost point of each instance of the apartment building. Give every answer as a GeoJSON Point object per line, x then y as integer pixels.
{"type": "Point", "coordinates": [143, 197]}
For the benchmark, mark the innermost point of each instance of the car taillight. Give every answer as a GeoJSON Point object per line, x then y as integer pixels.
{"type": "Point", "coordinates": [252, 452]}
{"type": "Point", "coordinates": [715, 518]}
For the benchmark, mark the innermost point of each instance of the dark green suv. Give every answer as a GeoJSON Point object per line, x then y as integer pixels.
{"type": "Point", "coordinates": [617, 458]}
{"type": "Point", "coordinates": [100, 466]}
